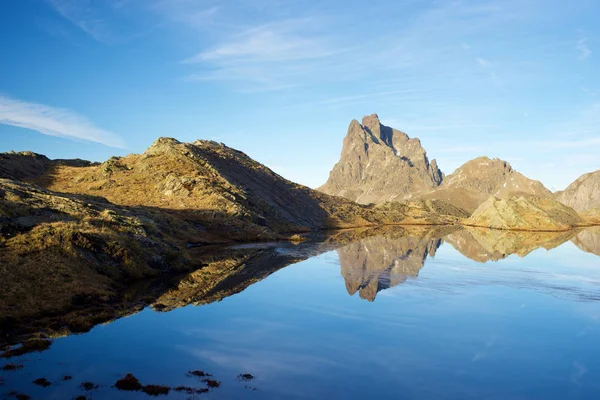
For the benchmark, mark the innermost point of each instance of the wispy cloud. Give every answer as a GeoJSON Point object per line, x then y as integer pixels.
{"type": "Point", "coordinates": [81, 14]}
{"type": "Point", "coordinates": [483, 62]}
{"type": "Point", "coordinates": [271, 56]}
{"type": "Point", "coordinates": [583, 49]}
{"type": "Point", "coordinates": [54, 122]}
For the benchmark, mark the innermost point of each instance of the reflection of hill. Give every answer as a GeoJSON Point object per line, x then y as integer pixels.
{"type": "Point", "coordinates": [588, 240]}
{"type": "Point", "coordinates": [482, 245]}
{"type": "Point", "coordinates": [379, 262]}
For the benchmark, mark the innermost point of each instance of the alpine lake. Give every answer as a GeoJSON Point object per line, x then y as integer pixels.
{"type": "Point", "coordinates": [394, 313]}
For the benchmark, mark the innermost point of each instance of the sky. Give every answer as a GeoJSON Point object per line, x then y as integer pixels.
{"type": "Point", "coordinates": [282, 79]}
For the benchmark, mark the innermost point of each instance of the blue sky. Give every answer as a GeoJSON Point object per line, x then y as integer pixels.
{"type": "Point", "coordinates": [281, 80]}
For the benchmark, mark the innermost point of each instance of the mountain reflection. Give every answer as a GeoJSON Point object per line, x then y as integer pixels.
{"type": "Point", "coordinates": [371, 260]}
{"type": "Point", "coordinates": [381, 262]}
{"type": "Point", "coordinates": [588, 240]}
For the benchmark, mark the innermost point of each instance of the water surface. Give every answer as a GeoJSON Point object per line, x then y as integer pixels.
{"type": "Point", "coordinates": [465, 314]}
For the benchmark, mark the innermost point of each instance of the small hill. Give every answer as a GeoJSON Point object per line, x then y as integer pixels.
{"type": "Point", "coordinates": [583, 194]}
{"type": "Point", "coordinates": [528, 213]}
{"type": "Point", "coordinates": [477, 180]}
{"type": "Point", "coordinates": [380, 164]}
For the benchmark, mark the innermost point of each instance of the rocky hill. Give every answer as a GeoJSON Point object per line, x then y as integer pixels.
{"type": "Point", "coordinates": [380, 164]}
{"type": "Point", "coordinates": [528, 213]}
{"type": "Point", "coordinates": [223, 191]}
{"type": "Point", "coordinates": [477, 180]}
{"type": "Point", "coordinates": [583, 194]}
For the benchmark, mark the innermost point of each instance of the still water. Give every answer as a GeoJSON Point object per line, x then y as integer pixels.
{"type": "Point", "coordinates": [464, 315]}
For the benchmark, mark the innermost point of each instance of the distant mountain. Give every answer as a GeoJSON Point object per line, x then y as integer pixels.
{"type": "Point", "coordinates": [380, 164]}
{"type": "Point", "coordinates": [477, 180]}
{"type": "Point", "coordinates": [583, 194]}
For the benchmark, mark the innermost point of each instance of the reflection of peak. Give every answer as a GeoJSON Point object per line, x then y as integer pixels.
{"type": "Point", "coordinates": [381, 262]}
{"type": "Point", "coordinates": [588, 240]}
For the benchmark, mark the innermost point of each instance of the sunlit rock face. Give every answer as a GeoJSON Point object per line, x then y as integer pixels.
{"type": "Point", "coordinates": [583, 194]}
{"type": "Point", "coordinates": [529, 213]}
{"type": "Point", "coordinates": [477, 180]}
{"type": "Point", "coordinates": [380, 164]}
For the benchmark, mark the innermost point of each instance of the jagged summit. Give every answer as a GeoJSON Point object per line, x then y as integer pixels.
{"type": "Point", "coordinates": [379, 164]}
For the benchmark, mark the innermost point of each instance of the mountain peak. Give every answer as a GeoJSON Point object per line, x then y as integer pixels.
{"type": "Point", "coordinates": [379, 163]}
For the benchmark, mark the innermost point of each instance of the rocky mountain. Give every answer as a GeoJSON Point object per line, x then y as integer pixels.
{"type": "Point", "coordinates": [583, 194]}
{"type": "Point", "coordinates": [477, 180]}
{"type": "Point", "coordinates": [526, 212]}
{"type": "Point", "coordinates": [380, 164]}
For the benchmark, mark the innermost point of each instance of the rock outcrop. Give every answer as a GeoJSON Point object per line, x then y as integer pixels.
{"type": "Point", "coordinates": [583, 194]}
{"type": "Point", "coordinates": [380, 164]}
{"type": "Point", "coordinates": [477, 180]}
{"type": "Point", "coordinates": [528, 213]}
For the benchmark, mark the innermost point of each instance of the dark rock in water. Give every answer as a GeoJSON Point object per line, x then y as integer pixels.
{"type": "Point", "coordinates": [190, 390]}
{"type": "Point", "coordinates": [89, 386]}
{"type": "Point", "coordinates": [30, 346]}
{"type": "Point", "coordinates": [67, 378]}
{"type": "Point", "coordinates": [129, 383]}
{"type": "Point", "coordinates": [12, 367]}
{"type": "Point", "coordinates": [211, 383]}
{"type": "Point", "coordinates": [156, 390]}
{"type": "Point", "coordinates": [198, 373]}
{"type": "Point", "coordinates": [245, 377]}
{"type": "Point", "coordinates": [43, 382]}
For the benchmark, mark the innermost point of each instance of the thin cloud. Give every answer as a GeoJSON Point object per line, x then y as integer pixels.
{"type": "Point", "coordinates": [583, 49]}
{"type": "Point", "coordinates": [483, 62]}
{"type": "Point", "coordinates": [85, 18]}
{"type": "Point", "coordinates": [54, 122]}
